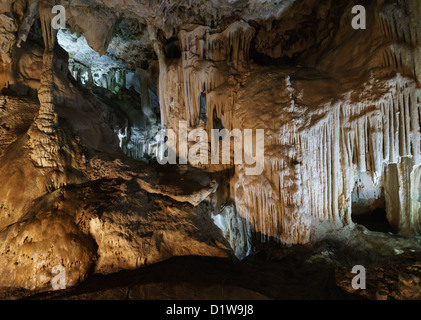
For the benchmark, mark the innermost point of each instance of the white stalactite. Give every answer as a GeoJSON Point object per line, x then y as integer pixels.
{"type": "Point", "coordinates": [314, 154]}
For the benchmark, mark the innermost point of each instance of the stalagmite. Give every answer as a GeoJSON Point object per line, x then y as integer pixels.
{"type": "Point", "coordinates": [44, 138]}
{"type": "Point", "coordinates": [147, 130]}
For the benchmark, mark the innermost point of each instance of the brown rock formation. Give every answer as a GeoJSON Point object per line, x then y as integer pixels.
{"type": "Point", "coordinates": [80, 110]}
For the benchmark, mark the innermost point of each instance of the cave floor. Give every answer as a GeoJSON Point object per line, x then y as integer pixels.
{"type": "Point", "coordinates": [321, 271]}
{"type": "Point", "coordinates": [191, 278]}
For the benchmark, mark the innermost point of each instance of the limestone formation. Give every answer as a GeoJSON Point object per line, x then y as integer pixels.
{"type": "Point", "coordinates": [81, 110]}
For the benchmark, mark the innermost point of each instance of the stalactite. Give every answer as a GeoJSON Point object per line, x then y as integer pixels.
{"type": "Point", "coordinates": [205, 56]}
{"type": "Point", "coordinates": [29, 19]}
{"type": "Point", "coordinates": [310, 171]}
{"type": "Point", "coordinates": [377, 141]}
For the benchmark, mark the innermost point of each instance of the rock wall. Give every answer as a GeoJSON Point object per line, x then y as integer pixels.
{"type": "Point", "coordinates": [60, 162]}
{"type": "Point", "coordinates": [340, 111]}
{"type": "Point", "coordinates": [326, 135]}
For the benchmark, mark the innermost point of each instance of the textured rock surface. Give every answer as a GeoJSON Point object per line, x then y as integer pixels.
{"type": "Point", "coordinates": [68, 165]}
{"type": "Point", "coordinates": [80, 109]}
{"type": "Point", "coordinates": [324, 132]}
{"type": "Point", "coordinates": [321, 270]}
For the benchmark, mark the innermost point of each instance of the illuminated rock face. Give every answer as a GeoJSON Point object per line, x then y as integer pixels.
{"type": "Point", "coordinates": [340, 109]}
{"type": "Point", "coordinates": [326, 151]}
{"type": "Point", "coordinates": [324, 138]}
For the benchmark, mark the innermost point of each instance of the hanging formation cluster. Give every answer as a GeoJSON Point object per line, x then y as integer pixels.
{"type": "Point", "coordinates": [323, 136]}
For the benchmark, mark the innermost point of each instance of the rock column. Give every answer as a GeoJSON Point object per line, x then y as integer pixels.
{"type": "Point", "coordinates": [44, 136]}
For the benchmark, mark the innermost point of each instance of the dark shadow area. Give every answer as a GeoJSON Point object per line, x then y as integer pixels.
{"type": "Point", "coordinates": [262, 59]}
{"type": "Point", "coordinates": [374, 221]}
{"type": "Point", "coordinates": [275, 280]}
{"type": "Point", "coordinates": [172, 48]}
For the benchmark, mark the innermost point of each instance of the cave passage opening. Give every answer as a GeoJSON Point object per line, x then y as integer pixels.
{"type": "Point", "coordinates": [130, 94]}
{"type": "Point", "coordinates": [374, 220]}
{"type": "Point", "coordinates": [92, 69]}
{"type": "Point", "coordinates": [369, 205]}
{"type": "Point", "coordinates": [372, 215]}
